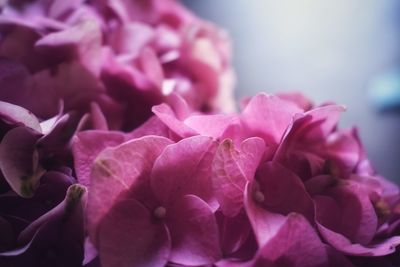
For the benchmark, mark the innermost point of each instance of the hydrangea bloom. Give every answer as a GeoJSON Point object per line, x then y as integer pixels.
{"type": "Point", "coordinates": [38, 226]}
{"type": "Point", "coordinates": [66, 66]}
{"type": "Point", "coordinates": [276, 185]}
{"type": "Point", "coordinates": [124, 55]}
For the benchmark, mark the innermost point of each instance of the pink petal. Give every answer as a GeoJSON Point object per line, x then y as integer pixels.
{"type": "Point", "coordinates": [325, 119]}
{"type": "Point", "coordinates": [72, 82]}
{"type": "Point", "coordinates": [131, 38]}
{"type": "Point", "coordinates": [296, 244]}
{"type": "Point", "coordinates": [19, 160]}
{"type": "Point", "coordinates": [204, 71]}
{"type": "Point", "coordinates": [85, 38]}
{"type": "Point", "coordinates": [16, 81]}
{"type": "Point", "coordinates": [130, 236]}
{"type": "Point", "coordinates": [184, 168]}
{"type": "Point", "coordinates": [58, 8]}
{"type": "Point", "coordinates": [98, 120]}
{"type": "Point", "coordinates": [346, 209]}
{"type": "Point", "coordinates": [273, 181]}
{"type": "Point", "coordinates": [234, 232]}
{"type": "Point", "coordinates": [153, 126]}
{"type": "Point", "coordinates": [298, 98]}
{"type": "Point", "coordinates": [117, 169]}
{"type": "Point", "coordinates": [211, 125]}
{"type": "Point", "coordinates": [232, 169]}
{"type": "Point", "coordinates": [268, 117]}
{"type": "Point", "coordinates": [265, 224]}
{"type": "Point", "coordinates": [58, 139]}
{"type": "Point", "coordinates": [302, 148]}
{"type": "Point", "coordinates": [87, 145]}
{"type": "Point", "coordinates": [14, 114]}
{"type": "Point", "coordinates": [341, 243]}
{"type": "Point", "coordinates": [151, 67]}
{"type": "Point", "coordinates": [167, 115]}
{"type": "Point", "coordinates": [194, 232]}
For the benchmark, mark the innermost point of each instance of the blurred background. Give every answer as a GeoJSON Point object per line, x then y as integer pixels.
{"type": "Point", "coordinates": [346, 51]}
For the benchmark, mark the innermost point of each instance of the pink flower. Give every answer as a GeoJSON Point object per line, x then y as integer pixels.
{"type": "Point", "coordinates": [126, 56]}
{"type": "Point", "coordinates": [302, 164]}
{"type": "Point", "coordinates": [151, 202]}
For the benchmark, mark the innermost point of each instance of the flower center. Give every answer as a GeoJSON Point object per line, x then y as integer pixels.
{"type": "Point", "coordinates": [159, 212]}
{"type": "Point", "coordinates": [259, 196]}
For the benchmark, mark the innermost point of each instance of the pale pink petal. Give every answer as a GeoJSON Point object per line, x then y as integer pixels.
{"type": "Point", "coordinates": [194, 232]}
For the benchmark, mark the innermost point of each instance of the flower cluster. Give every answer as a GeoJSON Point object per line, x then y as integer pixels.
{"type": "Point", "coordinates": [119, 146]}
{"type": "Point", "coordinates": [276, 185]}
{"type": "Point", "coordinates": [122, 56]}
{"type": "Point", "coordinates": [68, 66]}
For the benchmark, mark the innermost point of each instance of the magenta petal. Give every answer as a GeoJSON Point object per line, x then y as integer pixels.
{"type": "Point", "coordinates": [347, 209]}
{"type": "Point", "coordinates": [59, 233]}
{"type": "Point", "coordinates": [184, 168]}
{"type": "Point", "coordinates": [14, 114]}
{"type": "Point", "coordinates": [269, 116]}
{"type": "Point", "coordinates": [115, 170]}
{"type": "Point", "coordinates": [99, 122]}
{"type": "Point", "coordinates": [232, 169]}
{"type": "Point", "coordinates": [274, 181]}
{"type": "Point", "coordinates": [234, 232]}
{"type": "Point", "coordinates": [296, 244]}
{"type": "Point", "coordinates": [194, 232]}
{"type": "Point", "coordinates": [341, 243]}
{"type": "Point", "coordinates": [87, 145]}
{"type": "Point", "coordinates": [19, 161]}
{"type": "Point", "coordinates": [130, 236]}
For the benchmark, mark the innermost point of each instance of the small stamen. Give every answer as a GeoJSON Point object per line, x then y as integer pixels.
{"type": "Point", "coordinates": [160, 212]}
{"type": "Point", "coordinates": [259, 196]}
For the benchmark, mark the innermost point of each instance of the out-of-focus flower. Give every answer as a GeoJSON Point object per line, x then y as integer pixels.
{"type": "Point", "coordinates": [44, 230]}
{"type": "Point", "coordinates": [291, 188]}
{"type": "Point", "coordinates": [124, 55]}
{"type": "Point", "coordinates": [37, 227]}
